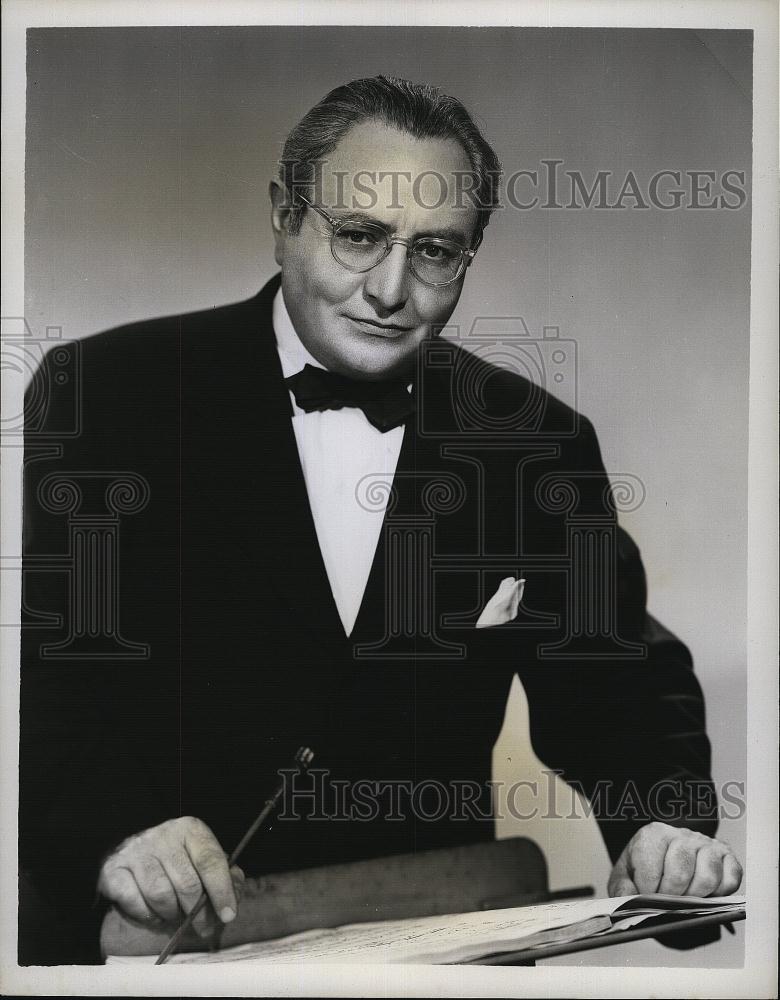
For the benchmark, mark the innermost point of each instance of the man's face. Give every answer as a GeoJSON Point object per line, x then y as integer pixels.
{"type": "Point", "coordinates": [370, 324]}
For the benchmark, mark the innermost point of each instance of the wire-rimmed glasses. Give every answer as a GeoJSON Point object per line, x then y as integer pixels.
{"type": "Point", "coordinates": [359, 246]}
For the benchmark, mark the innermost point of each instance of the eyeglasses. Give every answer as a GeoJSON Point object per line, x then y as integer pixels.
{"type": "Point", "coordinates": [359, 246]}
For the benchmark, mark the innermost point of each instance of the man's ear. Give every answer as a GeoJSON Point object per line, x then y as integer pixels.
{"type": "Point", "coordinates": [280, 217]}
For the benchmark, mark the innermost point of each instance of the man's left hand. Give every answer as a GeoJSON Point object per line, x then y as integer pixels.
{"type": "Point", "coordinates": [675, 861]}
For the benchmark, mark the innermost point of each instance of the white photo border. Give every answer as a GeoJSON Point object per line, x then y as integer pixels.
{"type": "Point", "coordinates": [759, 976]}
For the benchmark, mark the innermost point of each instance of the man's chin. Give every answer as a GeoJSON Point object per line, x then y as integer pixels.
{"type": "Point", "coordinates": [372, 371]}
{"type": "Point", "coordinates": [373, 368]}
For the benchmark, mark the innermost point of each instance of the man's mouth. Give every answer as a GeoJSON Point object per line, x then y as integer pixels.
{"type": "Point", "coordinates": [379, 329]}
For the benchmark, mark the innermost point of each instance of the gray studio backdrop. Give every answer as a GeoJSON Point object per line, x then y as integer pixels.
{"type": "Point", "coordinates": [148, 158]}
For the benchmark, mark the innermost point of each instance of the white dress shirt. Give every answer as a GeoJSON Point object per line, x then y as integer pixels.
{"type": "Point", "coordinates": [338, 449]}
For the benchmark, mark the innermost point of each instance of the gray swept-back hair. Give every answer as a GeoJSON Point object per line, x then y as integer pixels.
{"type": "Point", "coordinates": [419, 109]}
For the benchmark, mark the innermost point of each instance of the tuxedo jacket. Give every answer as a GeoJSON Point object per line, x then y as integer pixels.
{"type": "Point", "coordinates": [181, 639]}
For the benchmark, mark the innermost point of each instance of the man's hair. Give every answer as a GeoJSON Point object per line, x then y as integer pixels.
{"type": "Point", "coordinates": [419, 109]}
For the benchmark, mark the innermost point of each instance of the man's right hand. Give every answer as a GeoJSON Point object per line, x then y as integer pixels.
{"type": "Point", "coordinates": [159, 873]}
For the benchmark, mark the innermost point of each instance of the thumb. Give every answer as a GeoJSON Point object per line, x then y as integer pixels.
{"type": "Point", "coordinates": [620, 883]}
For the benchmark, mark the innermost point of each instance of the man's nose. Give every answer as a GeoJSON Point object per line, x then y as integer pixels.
{"type": "Point", "coordinates": [387, 284]}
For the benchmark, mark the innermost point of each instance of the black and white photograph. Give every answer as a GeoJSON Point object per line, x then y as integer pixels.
{"type": "Point", "coordinates": [389, 481]}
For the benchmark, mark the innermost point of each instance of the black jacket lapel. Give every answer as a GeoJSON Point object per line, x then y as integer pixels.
{"type": "Point", "coordinates": [283, 530]}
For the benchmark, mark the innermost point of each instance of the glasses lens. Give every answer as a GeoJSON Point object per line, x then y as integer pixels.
{"type": "Point", "coordinates": [436, 262]}
{"type": "Point", "coordinates": [359, 247]}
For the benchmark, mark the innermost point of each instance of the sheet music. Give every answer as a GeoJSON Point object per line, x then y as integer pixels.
{"type": "Point", "coordinates": [444, 939]}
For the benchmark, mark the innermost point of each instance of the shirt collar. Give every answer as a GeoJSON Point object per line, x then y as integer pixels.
{"type": "Point", "coordinates": [292, 354]}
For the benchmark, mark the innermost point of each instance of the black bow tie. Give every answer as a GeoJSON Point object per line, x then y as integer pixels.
{"type": "Point", "coordinates": [385, 404]}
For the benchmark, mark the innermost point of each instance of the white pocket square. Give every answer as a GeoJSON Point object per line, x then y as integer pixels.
{"type": "Point", "coordinates": [502, 606]}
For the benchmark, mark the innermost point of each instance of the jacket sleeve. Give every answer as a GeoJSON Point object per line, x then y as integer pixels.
{"type": "Point", "coordinates": [658, 754]}
{"type": "Point", "coordinates": [87, 776]}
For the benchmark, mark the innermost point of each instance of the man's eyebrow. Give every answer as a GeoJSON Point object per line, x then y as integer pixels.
{"type": "Point", "coordinates": [446, 233]}
{"type": "Point", "coordinates": [442, 233]}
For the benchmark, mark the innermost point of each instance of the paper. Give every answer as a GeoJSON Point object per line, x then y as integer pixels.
{"type": "Point", "coordinates": [458, 937]}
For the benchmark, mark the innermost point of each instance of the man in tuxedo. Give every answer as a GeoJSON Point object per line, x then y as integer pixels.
{"type": "Point", "coordinates": [304, 518]}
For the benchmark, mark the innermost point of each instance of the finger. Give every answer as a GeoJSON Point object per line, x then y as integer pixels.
{"type": "Point", "coordinates": [159, 895]}
{"type": "Point", "coordinates": [679, 866]}
{"type": "Point", "coordinates": [732, 876]}
{"type": "Point", "coordinates": [204, 923]}
{"type": "Point", "coordinates": [620, 884]}
{"type": "Point", "coordinates": [211, 865]}
{"type": "Point", "coordinates": [183, 877]}
{"type": "Point", "coordinates": [708, 872]}
{"type": "Point", "coordinates": [119, 886]}
{"type": "Point", "coordinates": [622, 887]}
{"type": "Point", "coordinates": [646, 853]}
